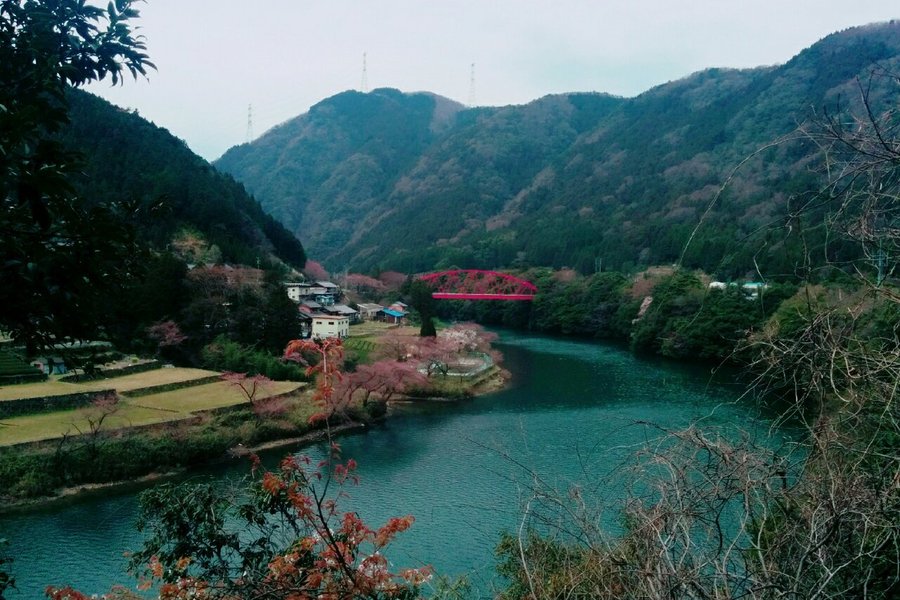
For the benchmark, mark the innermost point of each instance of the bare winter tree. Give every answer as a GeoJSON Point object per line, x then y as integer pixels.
{"type": "Point", "coordinates": [711, 516]}
{"type": "Point", "coordinates": [861, 150]}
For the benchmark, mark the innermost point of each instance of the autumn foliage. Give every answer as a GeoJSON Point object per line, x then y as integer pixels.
{"type": "Point", "coordinates": [323, 360]}
{"type": "Point", "coordinates": [286, 537]}
{"type": "Point", "coordinates": [295, 541]}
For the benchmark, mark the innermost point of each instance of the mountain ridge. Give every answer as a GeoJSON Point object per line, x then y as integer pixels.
{"type": "Point", "coordinates": [126, 157]}
{"type": "Point", "coordinates": [565, 180]}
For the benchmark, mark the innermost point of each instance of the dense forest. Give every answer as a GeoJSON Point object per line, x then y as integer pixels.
{"type": "Point", "coordinates": [190, 220]}
{"type": "Point", "coordinates": [412, 182]}
{"type": "Point", "coordinates": [127, 158]}
{"type": "Point", "coordinates": [105, 254]}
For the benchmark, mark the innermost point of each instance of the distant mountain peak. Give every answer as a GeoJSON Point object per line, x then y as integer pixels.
{"type": "Point", "coordinates": [411, 181]}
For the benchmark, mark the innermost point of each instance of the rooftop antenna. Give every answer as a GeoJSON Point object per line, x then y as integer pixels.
{"type": "Point", "coordinates": [472, 85]}
{"type": "Point", "coordinates": [249, 123]}
{"type": "Point", "coordinates": [365, 77]}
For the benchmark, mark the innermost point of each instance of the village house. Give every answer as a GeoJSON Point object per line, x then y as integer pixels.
{"type": "Point", "coordinates": [310, 306]}
{"type": "Point", "coordinates": [368, 312]}
{"type": "Point", "coordinates": [342, 310]}
{"type": "Point", "coordinates": [330, 326]}
{"type": "Point", "coordinates": [325, 293]}
{"type": "Point", "coordinates": [395, 313]}
{"type": "Point", "coordinates": [294, 291]}
{"type": "Point", "coordinates": [305, 320]}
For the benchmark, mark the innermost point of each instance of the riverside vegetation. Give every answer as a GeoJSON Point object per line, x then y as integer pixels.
{"type": "Point", "coordinates": [111, 439]}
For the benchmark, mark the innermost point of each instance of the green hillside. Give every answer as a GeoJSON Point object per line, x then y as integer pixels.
{"type": "Point", "coordinates": [397, 181]}
{"type": "Point", "coordinates": [127, 158]}
{"type": "Point", "coordinates": [326, 171]}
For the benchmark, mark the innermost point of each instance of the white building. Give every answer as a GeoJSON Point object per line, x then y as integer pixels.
{"type": "Point", "coordinates": [324, 292]}
{"type": "Point", "coordinates": [330, 326]}
{"type": "Point", "coordinates": [296, 291]}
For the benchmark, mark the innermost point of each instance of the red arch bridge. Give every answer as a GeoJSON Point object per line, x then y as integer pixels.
{"type": "Point", "coordinates": [474, 284]}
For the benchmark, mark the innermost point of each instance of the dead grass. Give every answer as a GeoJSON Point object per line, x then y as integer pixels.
{"type": "Point", "coordinates": [38, 390]}
{"type": "Point", "coordinates": [136, 381]}
{"type": "Point", "coordinates": [209, 396]}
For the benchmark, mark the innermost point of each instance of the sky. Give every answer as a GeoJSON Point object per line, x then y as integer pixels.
{"type": "Point", "coordinates": [218, 58]}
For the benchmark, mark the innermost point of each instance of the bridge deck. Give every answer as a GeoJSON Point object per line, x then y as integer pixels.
{"type": "Point", "coordinates": [473, 296]}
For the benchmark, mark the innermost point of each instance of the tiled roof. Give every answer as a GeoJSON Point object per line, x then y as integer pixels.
{"type": "Point", "coordinates": [342, 309]}
{"type": "Point", "coordinates": [370, 306]}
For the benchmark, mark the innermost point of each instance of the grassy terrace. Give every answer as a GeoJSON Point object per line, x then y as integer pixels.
{"type": "Point", "coordinates": [370, 328]}
{"type": "Point", "coordinates": [124, 384]}
{"type": "Point", "coordinates": [148, 409]}
{"type": "Point", "coordinates": [208, 396]}
{"type": "Point", "coordinates": [48, 426]}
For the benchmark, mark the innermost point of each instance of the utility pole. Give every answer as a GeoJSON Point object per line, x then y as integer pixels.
{"type": "Point", "coordinates": [249, 123]}
{"type": "Point", "coordinates": [471, 101]}
{"type": "Point", "coordinates": [364, 87]}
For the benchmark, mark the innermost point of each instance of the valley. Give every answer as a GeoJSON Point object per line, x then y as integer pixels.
{"type": "Point", "coordinates": [697, 288]}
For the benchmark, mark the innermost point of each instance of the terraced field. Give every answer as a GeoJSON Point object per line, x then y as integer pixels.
{"type": "Point", "coordinates": [124, 384]}
{"type": "Point", "coordinates": [139, 404]}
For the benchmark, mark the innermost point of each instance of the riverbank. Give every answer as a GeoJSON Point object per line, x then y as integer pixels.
{"type": "Point", "coordinates": [238, 452]}
{"type": "Point", "coordinates": [57, 470]}
{"type": "Point", "coordinates": [568, 416]}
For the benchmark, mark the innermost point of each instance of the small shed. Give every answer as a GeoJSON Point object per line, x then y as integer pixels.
{"type": "Point", "coordinates": [367, 312]}
{"type": "Point", "coordinates": [389, 315]}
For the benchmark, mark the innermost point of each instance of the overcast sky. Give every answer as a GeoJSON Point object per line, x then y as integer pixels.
{"type": "Point", "coordinates": [217, 57]}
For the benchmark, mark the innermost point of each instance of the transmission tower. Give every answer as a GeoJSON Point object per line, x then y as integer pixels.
{"type": "Point", "coordinates": [249, 123]}
{"type": "Point", "coordinates": [472, 86]}
{"type": "Point", "coordinates": [364, 87]}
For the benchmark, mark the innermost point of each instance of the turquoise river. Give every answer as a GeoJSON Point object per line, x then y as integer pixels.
{"type": "Point", "coordinates": [571, 416]}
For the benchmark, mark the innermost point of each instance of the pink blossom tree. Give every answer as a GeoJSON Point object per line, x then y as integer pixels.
{"type": "Point", "coordinates": [315, 271]}
{"type": "Point", "coordinates": [381, 381]}
{"type": "Point", "coordinates": [166, 334]}
{"type": "Point", "coordinates": [363, 284]}
{"type": "Point", "coordinates": [256, 388]}
{"type": "Point", "coordinates": [392, 280]}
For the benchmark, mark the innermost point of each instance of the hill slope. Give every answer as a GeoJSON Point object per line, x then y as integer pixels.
{"type": "Point", "coordinates": [128, 158]}
{"type": "Point", "coordinates": [410, 182]}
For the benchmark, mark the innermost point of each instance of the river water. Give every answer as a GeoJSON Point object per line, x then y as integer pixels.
{"type": "Point", "coordinates": [571, 416]}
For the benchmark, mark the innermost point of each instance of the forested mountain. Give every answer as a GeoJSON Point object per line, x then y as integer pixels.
{"type": "Point", "coordinates": [127, 158]}
{"type": "Point", "coordinates": [411, 181]}
{"type": "Point", "coordinates": [325, 172]}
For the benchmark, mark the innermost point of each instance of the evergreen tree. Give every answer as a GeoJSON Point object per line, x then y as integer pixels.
{"type": "Point", "coordinates": [60, 256]}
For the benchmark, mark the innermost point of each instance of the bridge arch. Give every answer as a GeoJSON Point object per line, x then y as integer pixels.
{"type": "Point", "coordinates": [476, 284]}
